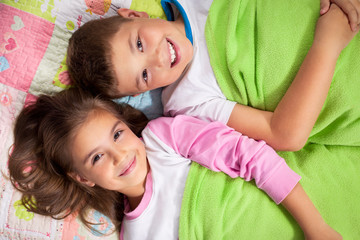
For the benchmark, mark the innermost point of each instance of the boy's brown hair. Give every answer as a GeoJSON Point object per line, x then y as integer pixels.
{"type": "Point", "coordinates": [89, 56]}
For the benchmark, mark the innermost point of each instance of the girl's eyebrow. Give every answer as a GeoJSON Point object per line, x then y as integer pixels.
{"type": "Point", "coordinates": [96, 149]}
{"type": "Point", "coordinates": [114, 127]}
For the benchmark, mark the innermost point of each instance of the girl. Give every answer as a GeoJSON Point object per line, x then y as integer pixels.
{"type": "Point", "coordinates": [73, 152]}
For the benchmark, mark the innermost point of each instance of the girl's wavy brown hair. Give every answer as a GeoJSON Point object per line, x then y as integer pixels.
{"type": "Point", "coordinates": [41, 160]}
{"type": "Point", "coordinates": [89, 56]}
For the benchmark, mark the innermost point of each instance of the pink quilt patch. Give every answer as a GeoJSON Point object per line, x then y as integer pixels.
{"type": "Point", "coordinates": [24, 39]}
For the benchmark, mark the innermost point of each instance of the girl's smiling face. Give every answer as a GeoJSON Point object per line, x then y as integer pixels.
{"type": "Point", "coordinates": [149, 53]}
{"type": "Point", "coordinates": [107, 153]}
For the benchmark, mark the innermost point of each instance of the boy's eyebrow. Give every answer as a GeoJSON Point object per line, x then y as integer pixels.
{"type": "Point", "coordinates": [137, 82]}
{"type": "Point", "coordinates": [132, 50]}
{"type": "Point", "coordinates": [131, 46]}
{"type": "Point", "coordinates": [96, 149]}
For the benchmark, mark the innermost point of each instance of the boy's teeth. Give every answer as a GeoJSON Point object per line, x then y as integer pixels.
{"type": "Point", "coordinates": [172, 53]}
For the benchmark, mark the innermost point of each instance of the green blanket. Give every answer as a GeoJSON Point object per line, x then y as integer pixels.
{"type": "Point", "coordinates": [256, 49]}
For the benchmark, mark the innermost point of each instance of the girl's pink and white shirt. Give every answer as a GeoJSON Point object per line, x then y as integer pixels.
{"type": "Point", "coordinates": [172, 144]}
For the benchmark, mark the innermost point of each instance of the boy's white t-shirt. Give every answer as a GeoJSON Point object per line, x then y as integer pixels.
{"type": "Point", "coordinates": [197, 93]}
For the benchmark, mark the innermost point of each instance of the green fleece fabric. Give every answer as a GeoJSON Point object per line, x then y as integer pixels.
{"type": "Point", "coordinates": [256, 49]}
{"type": "Point", "coordinates": [151, 7]}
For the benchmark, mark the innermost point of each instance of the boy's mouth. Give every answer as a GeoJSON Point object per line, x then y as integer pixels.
{"type": "Point", "coordinates": [173, 54]}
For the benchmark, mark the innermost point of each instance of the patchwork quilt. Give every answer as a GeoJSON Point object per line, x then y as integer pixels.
{"type": "Point", "coordinates": [33, 41]}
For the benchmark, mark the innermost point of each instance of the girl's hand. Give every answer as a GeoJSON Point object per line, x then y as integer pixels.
{"type": "Point", "coordinates": [333, 32]}
{"type": "Point", "coordinates": [307, 216]}
{"type": "Point", "coordinates": [324, 232]}
{"type": "Point", "coordinates": [350, 7]}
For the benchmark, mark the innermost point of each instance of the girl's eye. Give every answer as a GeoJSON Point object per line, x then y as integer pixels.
{"type": "Point", "coordinates": [97, 158]}
{"type": "Point", "coordinates": [145, 75]}
{"type": "Point", "coordinates": [139, 44]}
{"type": "Point", "coordinates": [117, 135]}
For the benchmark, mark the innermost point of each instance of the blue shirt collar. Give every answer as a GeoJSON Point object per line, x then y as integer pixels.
{"type": "Point", "coordinates": [170, 15]}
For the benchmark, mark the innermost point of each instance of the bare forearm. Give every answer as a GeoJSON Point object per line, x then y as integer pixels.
{"type": "Point", "coordinates": [289, 126]}
{"type": "Point", "coordinates": [297, 112]}
{"type": "Point", "coordinates": [302, 209]}
{"type": "Point", "coordinates": [299, 109]}
{"type": "Point", "coordinates": [307, 216]}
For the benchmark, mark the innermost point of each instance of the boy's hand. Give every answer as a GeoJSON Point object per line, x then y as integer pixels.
{"type": "Point", "coordinates": [333, 32]}
{"type": "Point", "coordinates": [350, 7]}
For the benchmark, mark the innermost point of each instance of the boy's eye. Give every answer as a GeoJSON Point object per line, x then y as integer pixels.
{"type": "Point", "coordinates": [97, 158]}
{"type": "Point", "coordinates": [139, 44]}
{"type": "Point", "coordinates": [145, 75]}
{"type": "Point", "coordinates": [117, 135]}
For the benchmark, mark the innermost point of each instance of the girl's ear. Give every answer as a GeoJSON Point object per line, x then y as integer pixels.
{"type": "Point", "coordinates": [81, 179]}
{"type": "Point", "coordinates": [128, 13]}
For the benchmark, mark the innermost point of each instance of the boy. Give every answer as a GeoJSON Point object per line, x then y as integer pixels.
{"type": "Point", "coordinates": [161, 53]}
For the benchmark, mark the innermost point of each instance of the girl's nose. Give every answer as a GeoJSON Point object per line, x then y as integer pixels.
{"type": "Point", "coordinates": [118, 156]}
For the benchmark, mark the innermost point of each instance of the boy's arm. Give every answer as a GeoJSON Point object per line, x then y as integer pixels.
{"type": "Point", "coordinates": [289, 126]}
{"type": "Point", "coordinates": [307, 216]}
{"type": "Point", "coordinates": [350, 7]}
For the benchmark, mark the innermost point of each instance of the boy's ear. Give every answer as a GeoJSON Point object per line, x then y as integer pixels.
{"type": "Point", "coordinates": [129, 13]}
{"type": "Point", "coordinates": [81, 179]}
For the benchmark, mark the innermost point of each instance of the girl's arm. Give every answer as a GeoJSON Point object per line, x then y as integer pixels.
{"type": "Point", "coordinates": [220, 148]}
{"type": "Point", "coordinates": [299, 205]}
{"type": "Point", "coordinates": [289, 126]}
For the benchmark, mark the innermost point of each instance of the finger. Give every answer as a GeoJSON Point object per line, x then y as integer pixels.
{"type": "Point", "coordinates": [357, 28]}
{"type": "Point", "coordinates": [350, 10]}
{"type": "Point", "coordinates": [324, 6]}
{"type": "Point", "coordinates": [354, 21]}
{"type": "Point", "coordinates": [356, 4]}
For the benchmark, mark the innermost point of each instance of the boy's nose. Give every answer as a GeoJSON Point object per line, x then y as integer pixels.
{"type": "Point", "coordinates": [158, 59]}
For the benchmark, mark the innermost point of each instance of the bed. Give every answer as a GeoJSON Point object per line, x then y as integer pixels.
{"type": "Point", "coordinates": [33, 41]}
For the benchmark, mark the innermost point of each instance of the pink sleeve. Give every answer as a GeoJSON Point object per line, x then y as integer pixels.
{"type": "Point", "coordinates": [220, 148]}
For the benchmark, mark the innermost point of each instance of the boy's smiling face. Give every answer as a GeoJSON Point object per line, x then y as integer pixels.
{"type": "Point", "coordinates": [148, 54]}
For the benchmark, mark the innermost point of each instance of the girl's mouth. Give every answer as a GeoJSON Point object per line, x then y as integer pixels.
{"type": "Point", "coordinates": [129, 168]}
{"type": "Point", "coordinates": [174, 57]}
